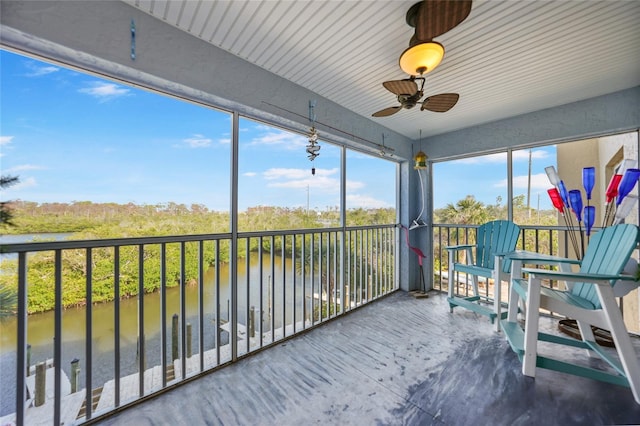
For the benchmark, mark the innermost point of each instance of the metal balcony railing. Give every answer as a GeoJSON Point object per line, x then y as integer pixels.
{"type": "Point", "coordinates": [181, 306]}
{"type": "Point", "coordinates": [551, 240]}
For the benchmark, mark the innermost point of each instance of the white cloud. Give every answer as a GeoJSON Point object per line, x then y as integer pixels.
{"type": "Point", "coordinates": [324, 180]}
{"type": "Point", "coordinates": [365, 201]}
{"type": "Point", "coordinates": [523, 155]}
{"type": "Point", "coordinates": [538, 181]}
{"type": "Point", "coordinates": [275, 137]}
{"type": "Point", "coordinates": [105, 91]}
{"type": "Point", "coordinates": [36, 70]}
{"type": "Point", "coordinates": [326, 184]}
{"type": "Point", "coordinates": [490, 158]}
{"type": "Point", "coordinates": [224, 141]}
{"type": "Point", "coordinates": [249, 174]}
{"type": "Point", "coordinates": [352, 185]}
{"type": "Point", "coordinates": [5, 140]}
{"type": "Point", "coordinates": [23, 168]}
{"type": "Point", "coordinates": [282, 173]}
{"type": "Point", "coordinates": [22, 184]}
{"type": "Point", "coordinates": [302, 178]}
{"type": "Point", "coordinates": [198, 141]}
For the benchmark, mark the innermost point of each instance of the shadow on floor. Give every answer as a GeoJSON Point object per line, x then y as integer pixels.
{"type": "Point", "coordinates": [397, 361]}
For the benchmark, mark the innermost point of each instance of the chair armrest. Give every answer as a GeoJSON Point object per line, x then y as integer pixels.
{"type": "Point", "coordinates": [460, 247]}
{"type": "Point", "coordinates": [530, 257]}
{"type": "Point", "coordinates": [572, 276]}
{"type": "Point", "coordinates": [624, 285]}
{"type": "Point", "coordinates": [625, 277]}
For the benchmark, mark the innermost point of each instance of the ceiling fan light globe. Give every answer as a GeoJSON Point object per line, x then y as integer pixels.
{"type": "Point", "coordinates": [421, 58]}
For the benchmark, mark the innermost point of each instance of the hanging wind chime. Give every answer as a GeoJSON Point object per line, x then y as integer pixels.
{"type": "Point", "coordinates": [313, 147]}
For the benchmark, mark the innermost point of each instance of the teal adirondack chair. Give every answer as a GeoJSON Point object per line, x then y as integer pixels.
{"type": "Point", "coordinates": [589, 299]}
{"type": "Point", "coordinates": [484, 259]}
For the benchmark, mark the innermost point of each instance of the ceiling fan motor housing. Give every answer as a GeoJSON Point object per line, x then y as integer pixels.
{"type": "Point", "coordinates": [409, 101]}
{"type": "Point", "coordinates": [430, 18]}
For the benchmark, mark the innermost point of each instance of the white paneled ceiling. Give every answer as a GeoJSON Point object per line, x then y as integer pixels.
{"type": "Point", "coordinates": [507, 58]}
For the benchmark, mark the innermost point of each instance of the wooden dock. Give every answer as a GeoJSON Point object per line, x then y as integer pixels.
{"type": "Point", "coordinates": [70, 404]}
{"type": "Point", "coordinates": [73, 405]}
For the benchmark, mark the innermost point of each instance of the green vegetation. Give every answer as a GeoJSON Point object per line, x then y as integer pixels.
{"type": "Point", "coordinates": [110, 220]}
{"type": "Point", "coordinates": [8, 296]}
{"type": "Point", "coordinates": [8, 301]}
{"type": "Point", "coordinates": [91, 221]}
{"type": "Point", "coordinates": [470, 211]}
{"type": "Point", "coordinates": [95, 221]}
{"type": "Point", "coordinates": [6, 213]}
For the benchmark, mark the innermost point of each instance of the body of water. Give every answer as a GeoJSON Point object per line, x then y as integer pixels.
{"type": "Point", "coordinates": [41, 326]}
{"type": "Point", "coordinates": [29, 238]}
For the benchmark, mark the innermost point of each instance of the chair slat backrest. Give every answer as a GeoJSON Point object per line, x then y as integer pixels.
{"type": "Point", "coordinates": [498, 236]}
{"type": "Point", "coordinates": [607, 253]}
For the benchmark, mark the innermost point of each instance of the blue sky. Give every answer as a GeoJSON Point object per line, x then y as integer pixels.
{"type": "Point", "coordinates": [71, 136]}
{"type": "Point", "coordinates": [485, 177]}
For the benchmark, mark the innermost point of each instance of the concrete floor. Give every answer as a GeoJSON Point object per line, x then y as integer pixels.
{"type": "Point", "coordinates": [398, 361]}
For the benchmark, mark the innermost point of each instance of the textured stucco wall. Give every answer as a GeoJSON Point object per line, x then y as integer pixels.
{"type": "Point", "coordinates": [605, 154]}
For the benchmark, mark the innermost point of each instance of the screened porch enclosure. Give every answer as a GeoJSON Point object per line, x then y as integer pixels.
{"type": "Point", "coordinates": [265, 287]}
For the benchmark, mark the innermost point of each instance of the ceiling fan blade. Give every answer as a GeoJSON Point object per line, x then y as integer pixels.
{"type": "Point", "coordinates": [401, 87]}
{"type": "Point", "coordinates": [436, 17]}
{"type": "Point", "coordinates": [440, 103]}
{"type": "Point", "coordinates": [387, 111]}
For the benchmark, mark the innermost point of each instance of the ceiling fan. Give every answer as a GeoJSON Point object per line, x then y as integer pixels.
{"type": "Point", "coordinates": [409, 95]}
{"type": "Point", "coordinates": [430, 18]}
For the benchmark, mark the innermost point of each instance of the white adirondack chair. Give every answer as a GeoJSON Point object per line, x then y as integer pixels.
{"type": "Point", "coordinates": [589, 299]}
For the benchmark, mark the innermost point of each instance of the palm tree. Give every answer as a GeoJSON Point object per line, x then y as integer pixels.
{"type": "Point", "coordinates": [8, 302]}
{"type": "Point", "coordinates": [5, 212]}
{"type": "Point", "coordinates": [8, 296]}
{"type": "Point", "coordinates": [467, 211]}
